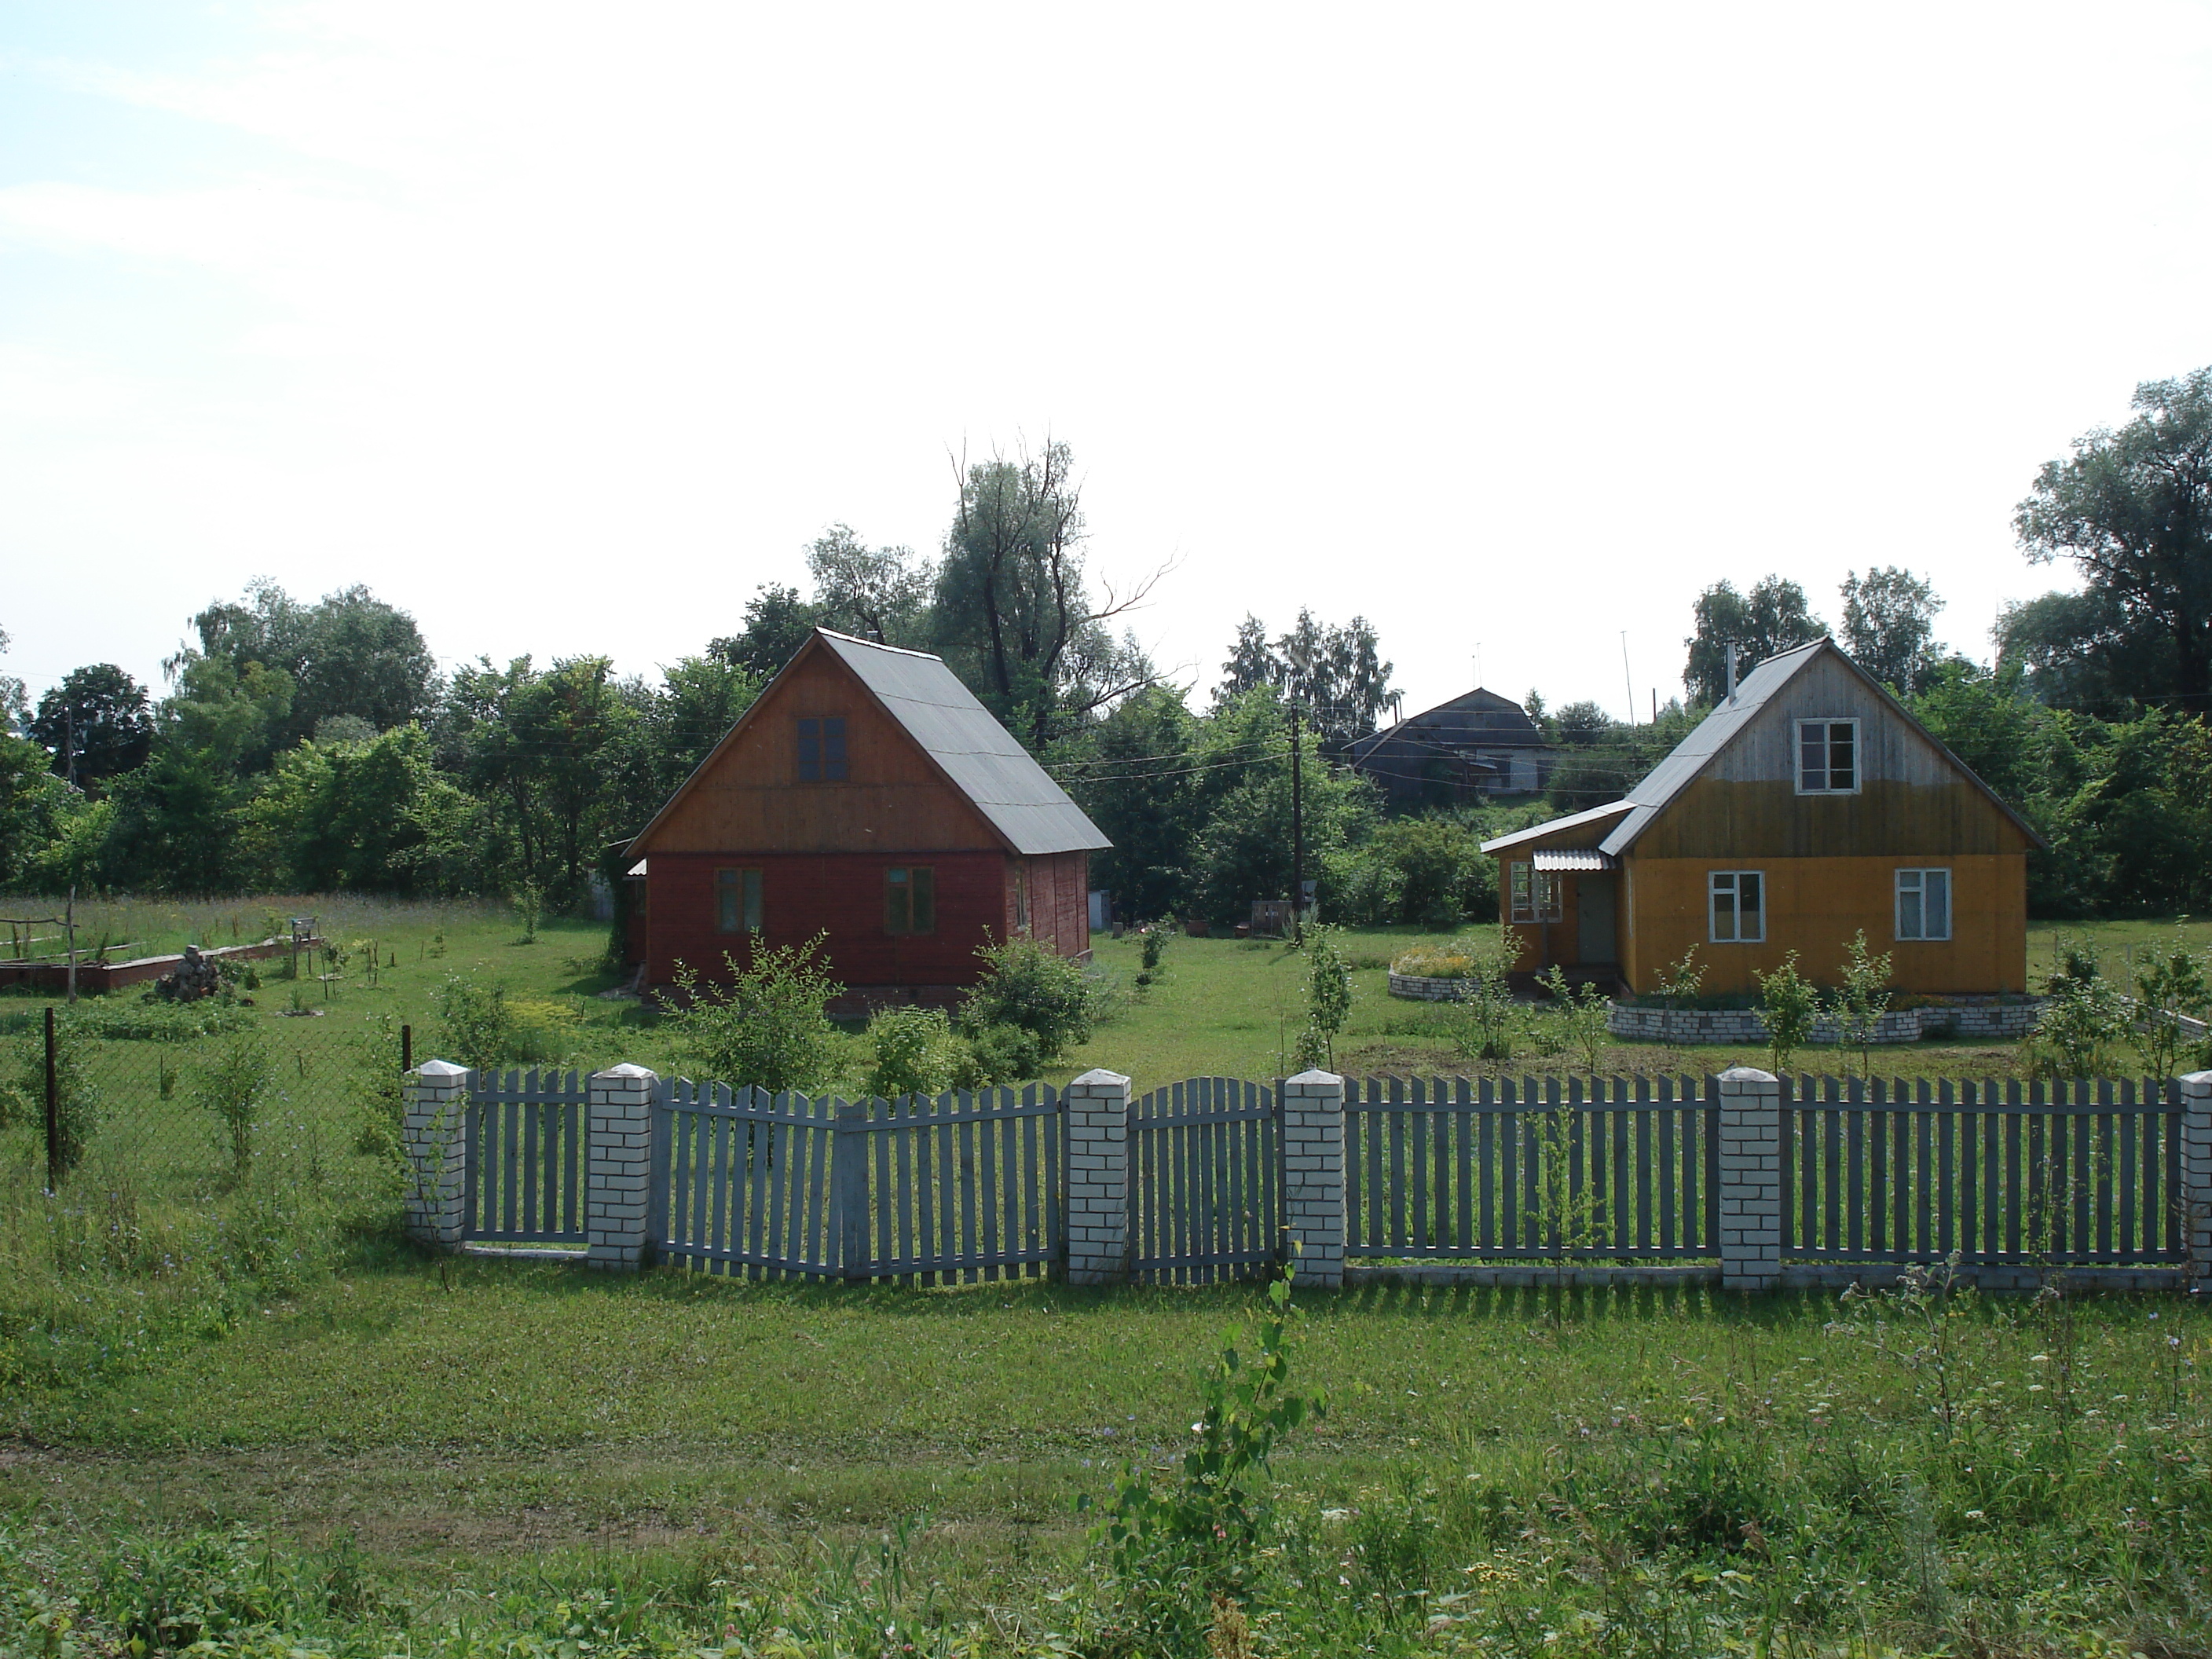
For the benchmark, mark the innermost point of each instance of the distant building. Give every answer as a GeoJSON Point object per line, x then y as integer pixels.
{"type": "Point", "coordinates": [1477, 744]}
{"type": "Point", "coordinates": [866, 797]}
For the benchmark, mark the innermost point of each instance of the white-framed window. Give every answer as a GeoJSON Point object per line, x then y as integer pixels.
{"type": "Point", "coordinates": [1827, 757]}
{"type": "Point", "coordinates": [1535, 893]}
{"type": "Point", "coordinates": [1924, 904]}
{"type": "Point", "coordinates": [1739, 906]}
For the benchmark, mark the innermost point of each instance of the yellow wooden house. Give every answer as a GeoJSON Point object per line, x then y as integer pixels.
{"type": "Point", "coordinates": [1806, 807]}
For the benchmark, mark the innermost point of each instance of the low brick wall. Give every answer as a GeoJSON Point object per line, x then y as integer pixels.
{"type": "Point", "coordinates": [1985, 1020]}
{"type": "Point", "coordinates": [1418, 988]}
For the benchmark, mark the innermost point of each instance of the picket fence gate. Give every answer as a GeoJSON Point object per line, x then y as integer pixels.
{"type": "Point", "coordinates": [962, 1186]}
{"type": "Point", "coordinates": [974, 1185]}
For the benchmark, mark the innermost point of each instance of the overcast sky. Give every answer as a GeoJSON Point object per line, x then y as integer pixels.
{"type": "Point", "coordinates": [1509, 327]}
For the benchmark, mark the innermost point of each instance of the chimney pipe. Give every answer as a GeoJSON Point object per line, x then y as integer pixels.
{"type": "Point", "coordinates": [1731, 662]}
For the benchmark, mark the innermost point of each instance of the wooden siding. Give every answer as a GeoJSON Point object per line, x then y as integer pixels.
{"type": "Point", "coordinates": [1815, 905]}
{"type": "Point", "coordinates": [892, 799]}
{"type": "Point", "coordinates": [1913, 800]}
{"type": "Point", "coordinates": [841, 894]}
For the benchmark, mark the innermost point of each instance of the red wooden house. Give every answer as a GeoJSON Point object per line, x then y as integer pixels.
{"type": "Point", "coordinates": [867, 796]}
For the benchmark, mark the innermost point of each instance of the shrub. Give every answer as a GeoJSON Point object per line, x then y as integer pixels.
{"type": "Point", "coordinates": [476, 1026]}
{"type": "Point", "coordinates": [2084, 1022]}
{"type": "Point", "coordinates": [231, 1086]}
{"type": "Point", "coordinates": [1027, 983]}
{"type": "Point", "coordinates": [915, 1052]}
{"type": "Point", "coordinates": [544, 1031]}
{"type": "Point", "coordinates": [1580, 1015]}
{"type": "Point", "coordinates": [1863, 998]}
{"type": "Point", "coordinates": [1789, 1004]}
{"type": "Point", "coordinates": [1329, 1000]}
{"type": "Point", "coordinates": [76, 1097]}
{"type": "Point", "coordinates": [2173, 982]}
{"type": "Point", "coordinates": [996, 1054]}
{"type": "Point", "coordinates": [766, 1027]}
{"type": "Point", "coordinates": [1153, 940]}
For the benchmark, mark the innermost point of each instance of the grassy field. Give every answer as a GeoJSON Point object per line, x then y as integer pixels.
{"type": "Point", "coordinates": [1658, 1471]}
{"type": "Point", "coordinates": [236, 1409]}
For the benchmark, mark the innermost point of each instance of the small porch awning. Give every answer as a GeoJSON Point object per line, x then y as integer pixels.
{"type": "Point", "coordinates": [637, 869]}
{"type": "Point", "coordinates": [1591, 859]}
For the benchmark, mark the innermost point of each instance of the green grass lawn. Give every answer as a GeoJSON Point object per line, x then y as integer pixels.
{"type": "Point", "coordinates": [240, 1395]}
{"type": "Point", "coordinates": [486, 1425]}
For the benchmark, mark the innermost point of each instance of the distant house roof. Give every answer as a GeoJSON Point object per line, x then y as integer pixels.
{"type": "Point", "coordinates": [1714, 733]}
{"type": "Point", "coordinates": [1476, 717]}
{"type": "Point", "coordinates": [978, 756]}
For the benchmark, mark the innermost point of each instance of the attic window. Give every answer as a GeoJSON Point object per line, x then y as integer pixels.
{"type": "Point", "coordinates": [1827, 757]}
{"type": "Point", "coordinates": [821, 749]}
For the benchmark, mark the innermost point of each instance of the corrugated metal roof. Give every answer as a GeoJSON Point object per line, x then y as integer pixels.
{"type": "Point", "coordinates": [1714, 733]}
{"type": "Point", "coordinates": [982, 758]}
{"type": "Point", "coordinates": [1554, 826]}
{"type": "Point", "coordinates": [1556, 859]}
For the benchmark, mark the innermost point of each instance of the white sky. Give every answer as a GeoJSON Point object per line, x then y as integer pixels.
{"type": "Point", "coordinates": [565, 326]}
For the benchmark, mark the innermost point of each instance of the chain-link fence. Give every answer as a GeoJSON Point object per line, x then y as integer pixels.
{"type": "Point", "coordinates": [181, 1101]}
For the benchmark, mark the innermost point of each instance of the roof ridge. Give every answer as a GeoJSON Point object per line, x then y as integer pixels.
{"type": "Point", "coordinates": [878, 645]}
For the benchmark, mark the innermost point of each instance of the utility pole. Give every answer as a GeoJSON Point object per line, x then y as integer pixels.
{"type": "Point", "coordinates": [1298, 833]}
{"type": "Point", "coordinates": [1627, 679]}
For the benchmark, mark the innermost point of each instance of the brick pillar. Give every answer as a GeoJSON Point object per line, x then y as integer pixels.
{"type": "Point", "coordinates": [2196, 1177]}
{"type": "Point", "coordinates": [1097, 1210]}
{"type": "Point", "coordinates": [437, 1097]}
{"type": "Point", "coordinates": [619, 1148]}
{"type": "Point", "coordinates": [1751, 1179]}
{"type": "Point", "coordinates": [1312, 1177]}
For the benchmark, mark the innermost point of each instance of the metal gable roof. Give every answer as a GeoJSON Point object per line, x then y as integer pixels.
{"type": "Point", "coordinates": [1714, 733]}
{"type": "Point", "coordinates": [982, 759]}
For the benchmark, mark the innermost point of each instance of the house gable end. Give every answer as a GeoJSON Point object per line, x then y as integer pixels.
{"type": "Point", "coordinates": [746, 796]}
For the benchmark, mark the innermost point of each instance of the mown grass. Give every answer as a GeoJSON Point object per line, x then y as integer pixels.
{"type": "Point", "coordinates": [1661, 1471]}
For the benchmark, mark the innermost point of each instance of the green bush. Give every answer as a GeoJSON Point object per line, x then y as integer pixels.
{"type": "Point", "coordinates": [916, 1053]}
{"type": "Point", "coordinates": [766, 1027]}
{"type": "Point", "coordinates": [997, 1055]}
{"type": "Point", "coordinates": [476, 1027]}
{"type": "Point", "coordinates": [1027, 983]}
{"type": "Point", "coordinates": [77, 1096]}
{"type": "Point", "coordinates": [231, 1086]}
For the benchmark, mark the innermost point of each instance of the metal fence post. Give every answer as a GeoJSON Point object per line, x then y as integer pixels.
{"type": "Point", "coordinates": [1096, 1214]}
{"type": "Point", "coordinates": [2195, 1196]}
{"type": "Point", "coordinates": [53, 1112]}
{"type": "Point", "coordinates": [1750, 1179]}
{"type": "Point", "coordinates": [848, 1182]}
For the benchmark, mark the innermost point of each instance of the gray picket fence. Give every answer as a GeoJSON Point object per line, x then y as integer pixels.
{"type": "Point", "coordinates": [969, 1186]}
{"type": "Point", "coordinates": [960, 1187]}
{"type": "Point", "coordinates": [1205, 1182]}
{"type": "Point", "coordinates": [1520, 1168]}
{"type": "Point", "coordinates": [525, 1164]}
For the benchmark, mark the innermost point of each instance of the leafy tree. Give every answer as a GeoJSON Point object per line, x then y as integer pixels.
{"type": "Point", "coordinates": [2132, 510]}
{"type": "Point", "coordinates": [35, 807]}
{"type": "Point", "coordinates": [777, 622]}
{"type": "Point", "coordinates": [347, 815]}
{"type": "Point", "coordinates": [14, 710]}
{"type": "Point", "coordinates": [1772, 618]}
{"type": "Point", "coordinates": [1858, 1004]}
{"type": "Point", "coordinates": [1335, 675]}
{"type": "Point", "coordinates": [1014, 615]}
{"type": "Point", "coordinates": [348, 653]}
{"type": "Point", "coordinates": [96, 722]}
{"type": "Point", "coordinates": [1889, 626]}
{"type": "Point", "coordinates": [1329, 1000]}
{"type": "Point", "coordinates": [1787, 1003]}
{"type": "Point", "coordinates": [2078, 651]}
{"type": "Point", "coordinates": [1137, 773]}
{"type": "Point", "coordinates": [880, 594]}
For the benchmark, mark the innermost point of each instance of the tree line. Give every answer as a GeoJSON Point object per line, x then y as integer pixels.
{"type": "Point", "coordinates": [315, 745]}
